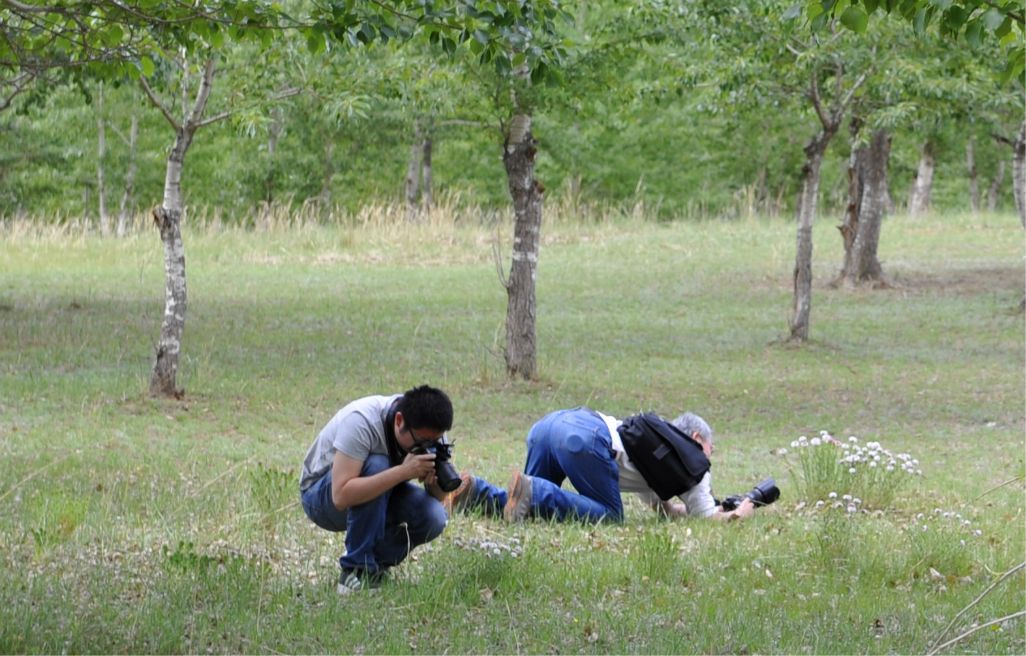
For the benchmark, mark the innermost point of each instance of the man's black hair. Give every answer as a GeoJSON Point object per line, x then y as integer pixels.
{"type": "Point", "coordinates": [426, 407]}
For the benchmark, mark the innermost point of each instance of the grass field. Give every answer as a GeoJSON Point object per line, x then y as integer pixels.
{"type": "Point", "coordinates": [130, 524]}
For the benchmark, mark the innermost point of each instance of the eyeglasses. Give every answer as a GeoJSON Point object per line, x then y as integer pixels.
{"type": "Point", "coordinates": [419, 441]}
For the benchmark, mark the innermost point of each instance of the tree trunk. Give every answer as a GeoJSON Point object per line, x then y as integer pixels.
{"type": "Point", "coordinates": [922, 186]}
{"type": "Point", "coordinates": [856, 184]}
{"type": "Point", "coordinates": [127, 198]}
{"type": "Point", "coordinates": [168, 217]}
{"type": "Point", "coordinates": [413, 174]}
{"type": "Point", "coordinates": [518, 157]}
{"type": "Point", "coordinates": [274, 131]}
{"type": "Point", "coordinates": [994, 192]}
{"type": "Point", "coordinates": [974, 183]}
{"type": "Point", "coordinates": [860, 258]}
{"type": "Point", "coordinates": [101, 155]}
{"type": "Point", "coordinates": [324, 197]}
{"type": "Point", "coordinates": [808, 199]}
{"type": "Point", "coordinates": [1018, 171]}
{"type": "Point", "coordinates": [427, 177]}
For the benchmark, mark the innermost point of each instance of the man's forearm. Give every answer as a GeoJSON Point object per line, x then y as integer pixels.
{"type": "Point", "coordinates": [361, 489]}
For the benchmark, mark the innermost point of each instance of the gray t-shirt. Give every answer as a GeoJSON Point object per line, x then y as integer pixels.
{"type": "Point", "coordinates": [357, 431]}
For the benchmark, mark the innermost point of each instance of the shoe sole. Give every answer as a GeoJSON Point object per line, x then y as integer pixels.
{"type": "Point", "coordinates": [518, 490]}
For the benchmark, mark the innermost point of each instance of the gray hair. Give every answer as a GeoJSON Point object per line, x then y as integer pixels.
{"type": "Point", "coordinates": [691, 424]}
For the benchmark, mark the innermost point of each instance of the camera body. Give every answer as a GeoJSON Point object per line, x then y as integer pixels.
{"type": "Point", "coordinates": [763, 494]}
{"type": "Point", "coordinates": [445, 473]}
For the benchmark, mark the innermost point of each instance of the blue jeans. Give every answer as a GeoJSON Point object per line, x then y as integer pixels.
{"type": "Point", "coordinates": [572, 444]}
{"type": "Point", "coordinates": [383, 531]}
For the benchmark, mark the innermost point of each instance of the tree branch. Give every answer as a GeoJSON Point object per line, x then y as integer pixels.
{"type": "Point", "coordinates": [973, 630]}
{"type": "Point", "coordinates": [814, 96]}
{"type": "Point", "coordinates": [962, 612]}
{"type": "Point", "coordinates": [159, 105]}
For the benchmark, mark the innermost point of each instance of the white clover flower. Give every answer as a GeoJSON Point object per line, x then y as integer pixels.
{"type": "Point", "coordinates": [851, 470]}
{"type": "Point", "coordinates": [919, 472]}
{"type": "Point", "coordinates": [966, 522]}
{"type": "Point", "coordinates": [872, 463]}
{"type": "Point", "coordinates": [794, 444]}
{"type": "Point", "coordinates": [820, 503]}
{"type": "Point", "coordinates": [926, 527]}
{"type": "Point", "coordinates": [977, 532]}
{"type": "Point", "coordinates": [920, 516]}
{"type": "Point", "coordinates": [853, 439]}
{"type": "Point", "coordinates": [847, 497]}
{"type": "Point", "coordinates": [937, 511]}
{"type": "Point", "coordinates": [890, 468]}
{"type": "Point", "coordinates": [782, 451]}
{"type": "Point", "coordinates": [815, 441]}
{"type": "Point", "coordinates": [803, 439]}
{"type": "Point", "coordinates": [832, 495]}
{"type": "Point", "coordinates": [857, 501]}
{"type": "Point", "coordinates": [852, 508]}
{"type": "Point", "coordinates": [837, 504]}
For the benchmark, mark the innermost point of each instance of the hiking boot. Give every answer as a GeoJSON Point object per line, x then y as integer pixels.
{"type": "Point", "coordinates": [460, 498]}
{"type": "Point", "coordinates": [519, 504]}
{"type": "Point", "coordinates": [354, 580]}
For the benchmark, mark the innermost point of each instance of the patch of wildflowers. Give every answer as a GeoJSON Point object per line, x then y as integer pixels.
{"type": "Point", "coordinates": [869, 470]}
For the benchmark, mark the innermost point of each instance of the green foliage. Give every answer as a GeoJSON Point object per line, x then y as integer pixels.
{"type": "Point", "coordinates": [975, 21]}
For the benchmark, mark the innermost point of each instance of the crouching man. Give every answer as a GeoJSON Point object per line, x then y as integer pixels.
{"type": "Point", "coordinates": [357, 478]}
{"type": "Point", "coordinates": [588, 448]}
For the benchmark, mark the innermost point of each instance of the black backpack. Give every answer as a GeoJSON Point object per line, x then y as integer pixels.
{"type": "Point", "coordinates": [669, 459]}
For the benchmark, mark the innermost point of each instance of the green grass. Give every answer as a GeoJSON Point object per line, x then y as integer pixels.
{"type": "Point", "coordinates": [130, 524]}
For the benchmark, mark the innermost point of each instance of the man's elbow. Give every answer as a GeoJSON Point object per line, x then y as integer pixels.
{"type": "Point", "coordinates": [337, 501]}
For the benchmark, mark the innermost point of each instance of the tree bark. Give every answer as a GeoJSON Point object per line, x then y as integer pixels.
{"type": "Point", "coordinates": [974, 182]}
{"type": "Point", "coordinates": [1018, 173]}
{"type": "Point", "coordinates": [427, 175]}
{"type": "Point", "coordinates": [518, 157]}
{"type": "Point", "coordinates": [860, 257]}
{"type": "Point", "coordinates": [324, 197]}
{"type": "Point", "coordinates": [994, 192]}
{"type": "Point", "coordinates": [412, 183]}
{"type": "Point", "coordinates": [101, 156]}
{"type": "Point", "coordinates": [127, 197]}
{"type": "Point", "coordinates": [168, 217]}
{"type": "Point", "coordinates": [922, 186]}
{"type": "Point", "coordinates": [274, 131]}
{"type": "Point", "coordinates": [808, 199]}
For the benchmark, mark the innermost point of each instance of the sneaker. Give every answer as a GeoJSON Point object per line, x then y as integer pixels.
{"type": "Point", "coordinates": [519, 504]}
{"type": "Point", "coordinates": [354, 580]}
{"type": "Point", "coordinates": [460, 498]}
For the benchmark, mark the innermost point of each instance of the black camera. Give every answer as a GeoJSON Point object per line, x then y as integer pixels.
{"type": "Point", "coordinates": [762, 494]}
{"type": "Point", "coordinates": [447, 476]}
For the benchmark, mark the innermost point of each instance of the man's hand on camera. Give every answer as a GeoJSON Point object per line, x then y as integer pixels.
{"type": "Point", "coordinates": [419, 465]}
{"type": "Point", "coordinates": [745, 509]}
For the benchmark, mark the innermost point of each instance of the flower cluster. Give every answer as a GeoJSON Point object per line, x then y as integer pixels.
{"type": "Point", "coordinates": [850, 504]}
{"type": "Point", "coordinates": [491, 548]}
{"type": "Point", "coordinates": [946, 519]}
{"type": "Point", "coordinates": [870, 472]}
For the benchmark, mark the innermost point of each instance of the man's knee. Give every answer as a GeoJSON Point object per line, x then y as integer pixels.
{"type": "Point", "coordinates": [433, 520]}
{"type": "Point", "coordinates": [375, 464]}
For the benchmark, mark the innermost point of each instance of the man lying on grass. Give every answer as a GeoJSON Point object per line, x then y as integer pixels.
{"type": "Point", "coordinates": [357, 478]}
{"type": "Point", "coordinates": [595, 452]}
